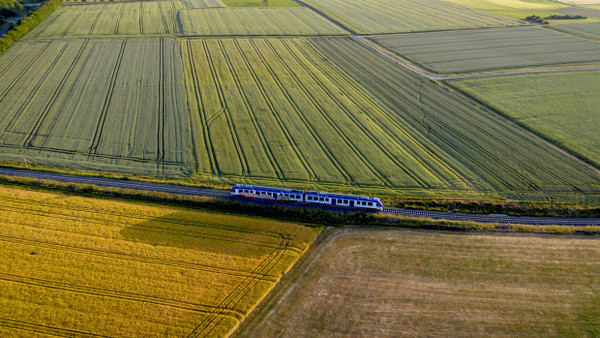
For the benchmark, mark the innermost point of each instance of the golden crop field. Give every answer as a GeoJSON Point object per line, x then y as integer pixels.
{"type": "Point", "coordinates": [79, 266]}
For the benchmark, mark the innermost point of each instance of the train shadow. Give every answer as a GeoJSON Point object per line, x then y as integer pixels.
{"type": "Point", "coordinates": [208, 232]}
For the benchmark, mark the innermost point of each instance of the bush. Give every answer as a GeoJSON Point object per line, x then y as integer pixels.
{"type": "Point", "coordinates": [27, 24]}
{"type": "Point", "coordinates": [536, 19]}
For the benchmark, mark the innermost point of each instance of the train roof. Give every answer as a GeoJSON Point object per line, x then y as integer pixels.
{"type": "Point", "coordinates": [319, 193]}
{"type": "Point", "coordinates": [248, 186]}
{"type": "Point", "coordinates": [344, 196]}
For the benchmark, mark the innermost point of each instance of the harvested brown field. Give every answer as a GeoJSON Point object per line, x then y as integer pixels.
{"type": "Point", "coordinates": [391, 282]}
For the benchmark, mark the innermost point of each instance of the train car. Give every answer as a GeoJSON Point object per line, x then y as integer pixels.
{"type": "Point", "coordinates": [313, 197]}
{"type": "Point", "coordinates": [278, 194]}
{"type": "Point", "coordinates": [349, 201]}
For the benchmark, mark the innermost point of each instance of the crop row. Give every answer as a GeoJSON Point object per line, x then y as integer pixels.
{"type": "Point", "coordinates": [590, 30]}
{"type": "Point", "coordinates": [488, 49]}
{"type": "Point", "coordinates": [109, 101]}
{"type": "Point", "coordinates": [558, 106]}
{"type": "Point", "coordinates": [397, 16]}
{"type": "Point", "coordinates": [275, 109]}
{"type": "Point", "coordinates": [202, 3]}
{"type": "Point", "coordinates": [109, 20]}
{"type": "Point", "coordinates": [500, 153]}
{"type": "Point", "coordinates": [255, 21]}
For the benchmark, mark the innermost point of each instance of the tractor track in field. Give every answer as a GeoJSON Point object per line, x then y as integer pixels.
{"type": "Point", "coordinates": [223, 194]}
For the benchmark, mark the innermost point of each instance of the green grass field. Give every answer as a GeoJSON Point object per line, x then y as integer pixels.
{"type": "Point", "coordinates": [490, 49]}
{"type": "Point", "coordinates": [150, 18]}
{"type": "Point", "coordinates": [79, 266]}
{"type": "Point", "coordinates": [255, 21]}
{"type": "Point", "coordinates": [397, 16]}
{"type": "Point", "coordinates": [590, 30]}
{"type": "Point", "coordinates": [101, 104]}
{"type": "Point", "coordinates": [426, 283]}
{"type": "Point", "coordinates": [561, 107]}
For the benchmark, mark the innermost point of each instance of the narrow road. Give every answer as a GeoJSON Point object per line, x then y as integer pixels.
{"type": "Point", "coordinates": [184, 190]}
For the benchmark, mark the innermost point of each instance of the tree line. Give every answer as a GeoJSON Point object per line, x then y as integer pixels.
{"type": "Point", "coordinates": [17, 30]}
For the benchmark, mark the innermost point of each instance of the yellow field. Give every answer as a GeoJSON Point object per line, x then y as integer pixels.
{"type": "Point", "coordinates": [76, 266]}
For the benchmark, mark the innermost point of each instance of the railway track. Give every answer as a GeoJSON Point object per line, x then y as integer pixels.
{"type": "Point", "coordinates": [193, 191]}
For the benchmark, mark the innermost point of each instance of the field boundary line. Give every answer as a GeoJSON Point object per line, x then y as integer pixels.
{"type": "Point", "coordinates": [516, 136]}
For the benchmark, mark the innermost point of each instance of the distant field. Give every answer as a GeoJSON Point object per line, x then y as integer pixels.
{"type": "Point", "coordinates": [397, 16]}
{"type": "Point", "coordinates": [576, 10]}
{"type": "Point", "coordinates": [561, 107]}
{"type": "Point", "coordinates": [202, 3]}
{"type": "Point", "coordinates": [488, 49]}
{"type": "Point", "coordinates": [99, 104]}
{"type": "Point", "coordinates": [580, 2]}
{"type": "Point", "coordinates": [260, 3]}
{"type": "Point", "coordinates": [588, 30]}
{"type": "Point", "coordinates": [109, 20]}
{"type": "Point", "coordinates": [316, 111]}
{"type": "Point", "coordinates": [503, 155]}
{"type": "Point", "coordinates": [427, 283]}
{"type": "Point", "coordinates": [74, 266]}
{"type": "Point", "coordinates": [255, 21]}
{"type": "Point", "coordinates": [518, 9]}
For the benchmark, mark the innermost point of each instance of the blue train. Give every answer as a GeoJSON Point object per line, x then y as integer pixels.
{"type": "Point", "coordinates": [280, 194]}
